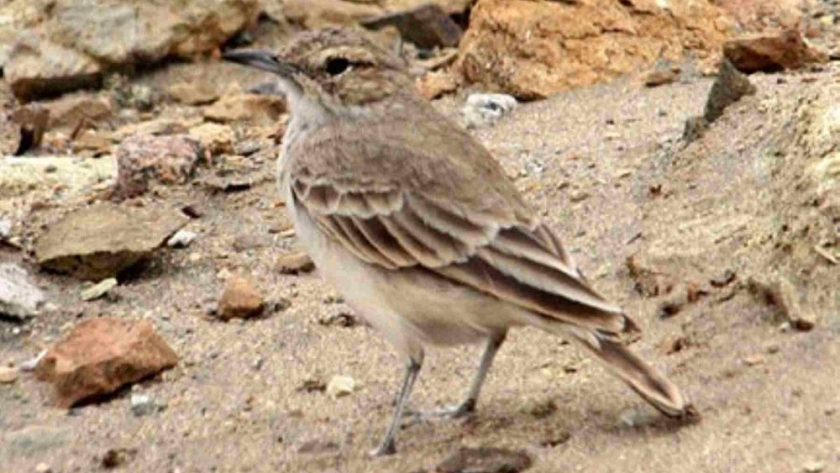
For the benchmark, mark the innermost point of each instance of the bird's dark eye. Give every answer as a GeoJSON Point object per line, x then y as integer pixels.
{"type": "Point", "coordinates": [337, 65]}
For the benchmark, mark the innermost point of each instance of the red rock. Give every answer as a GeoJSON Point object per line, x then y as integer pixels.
{"type": "Point", "coordinates": [240, 299]}
{"type": "Point", "coordinates": [788, 50]}
{"type": "Point", "coordinates": [144, 160]}
{"type": "Point", "coordinates": [102, 355]}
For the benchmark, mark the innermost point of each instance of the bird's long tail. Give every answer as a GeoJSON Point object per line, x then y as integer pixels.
{"type": "Point", "coordinates": [654, 388]}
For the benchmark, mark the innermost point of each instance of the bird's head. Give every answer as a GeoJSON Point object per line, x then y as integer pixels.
{"type": "Point", "coordinates": [332, 67]}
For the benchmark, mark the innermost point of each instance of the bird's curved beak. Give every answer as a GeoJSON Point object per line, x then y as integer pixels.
{"type": "Point", "coordinates": [262, 60]}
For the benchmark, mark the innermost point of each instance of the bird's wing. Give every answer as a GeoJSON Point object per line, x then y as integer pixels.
{"type": "Point", "coordinates": [465, 221]}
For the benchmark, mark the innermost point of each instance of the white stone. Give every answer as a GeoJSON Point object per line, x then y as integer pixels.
{"type": "Point", "coordinates": [182, 239]}
{"type": "Point", "coordinates": [486, 109]}
{"type": "Point", "coordinates": [99, 289]}
{"type": "Point", "coordinates": [19, 298]}
{"type": "Point", "coordinates": [340, 386]}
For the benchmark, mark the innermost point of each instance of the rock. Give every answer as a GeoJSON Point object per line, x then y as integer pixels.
{"type": "Point", "coordinates": [485, 460]}
{"type": "Point", "coordinates": [74, 43]}
{"type": "Point", "coordinates": [99, 143]}
{"type": "Point", "coordinates": [43, 468]}
{"type": "Point", "coordinates": [72, 111]}
{"type": "Point", "coordinates": [294, 263]}
{"type": "Point", "coordinates": [32, 121]}
{"type": "Point", "coordinates": [182, 239]}
{"type": "Point", "coordinates": [19, 298]}
{"type": "Point", "coordinates": [770, 53]}
{"type": "Point", "coordinates": [340, 386]}
{"type": "Point", "coordinates": [160, 126]}
{"type": "Point", "coordinates": [428, 26]}
{"type": "Point", "coordinates": [8, 375]}
{"type": "Point", "coordinates": [215, 138]}
{"type": "Point", "coordinates": [437, 83]}
{"type": "Point", "coordinates": [144, 160]}
{"type": "Point", "coordinates": [102, 355]}
{"type": "Point", "coordinates": [103, 240]}
{"type": "Point", "coordinates": [315, 14]}
{"type": "Point", "coordinates": [117, 457]}
{"type": "Point", "coordinates": [728, 88]}
{"type": "Point", "coordinates": [657, 77]}
{"type": "Point", "coordinates": [98, 290]}
{"type": "Point", "coordinates": [780, 292]}
{"type": "Point", "coordinates": [40, 68]}
{"type": "Point", "coordinates": [193, 93]}
{"type": "Point", "coordinates": [257, 109]}
{"type": "Point", "coordinates": [533, 49]}
{"type": "Point", "coordinates": [240, 299]}
{"type": "Point", "coordinates": [142, 405]}
{"type": "Point", "coordinates": [485, 109]}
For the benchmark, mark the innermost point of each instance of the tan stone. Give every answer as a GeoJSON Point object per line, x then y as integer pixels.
{"type": "Point", "coordinates": [8, 375]}
{"type": "Point", "coordinates": [215, 138]}
{"type": "Point", "coordinates": [193, 93]}
{"type": "Point", "coordinates": [240, 299]}
{"type": "Point", "coordinates": [102, 355]}
{"type": "Point", "coordinates": [71, 111]}
{"type": "Point", "coordinates": [294, 263]}
{"type": "Point", "coordinates": [437, 83]}
{"type": "Point", "coordinates": [105, 239]}
{"type": "Point", "coordinates": [532, 49]}
{"type": "Point", "coordinates": [260, 109]}
{"type": "Point", "coordinates": [314, 14]}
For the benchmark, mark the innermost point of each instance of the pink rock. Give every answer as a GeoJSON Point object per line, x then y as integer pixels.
{"type": "Point", "coordinates": [102, 355]}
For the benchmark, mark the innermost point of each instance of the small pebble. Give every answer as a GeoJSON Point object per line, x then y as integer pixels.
{"type": "Point", "coordinates": [99, 289]}
{"type": "Point", "coordinates": [813, 467]}
{"type": "Point", "coordinates": [42, 468]}
{"type": "Point", "coordinates": [340, 386]}
{"type": "Point", "coordinates": [8, 375]}
{"type": "Point", "coordinates": [141, 405]}
{"type": "Point", "coordinates": [181, 239]}
{"type": "Point", "coordinates": [753, 360]}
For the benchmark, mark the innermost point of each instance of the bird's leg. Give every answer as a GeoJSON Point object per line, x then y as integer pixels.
{"type": "Point", "coordinates": [468, 406]}
{"type": "Point", "coordinates": [388, 445]}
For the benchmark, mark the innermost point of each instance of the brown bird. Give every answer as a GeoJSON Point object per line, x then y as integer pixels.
{"type": "Point", "coordinates": [418, 227]}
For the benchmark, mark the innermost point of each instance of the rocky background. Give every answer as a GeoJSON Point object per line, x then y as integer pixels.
{"type": "Point", "coordinates": [156, 313]}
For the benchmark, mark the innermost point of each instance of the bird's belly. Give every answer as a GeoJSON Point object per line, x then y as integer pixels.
{"type": "Point", "coordinates": [409, 306]}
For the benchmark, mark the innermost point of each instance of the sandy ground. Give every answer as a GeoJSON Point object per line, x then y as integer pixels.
{"type": "Point", "coordinates": [586, 160]}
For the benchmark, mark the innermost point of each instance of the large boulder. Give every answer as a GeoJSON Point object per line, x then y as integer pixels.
{"type": "Point", "coordinates": [66, 44]}
{"type": "Point", "coordinates": [534, 48]}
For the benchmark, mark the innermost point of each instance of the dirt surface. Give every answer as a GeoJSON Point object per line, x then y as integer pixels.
{"type": "Point", "coordinates": [606, 166]}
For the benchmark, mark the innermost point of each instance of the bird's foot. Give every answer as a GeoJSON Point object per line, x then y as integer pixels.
{"type": "Point", "coordinates": [387, 447]}
{"type": "Point", "coordinates": [450, 412]}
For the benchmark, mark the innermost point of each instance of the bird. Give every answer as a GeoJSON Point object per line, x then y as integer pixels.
{"type": "Point", "coordinates": [418, 227]}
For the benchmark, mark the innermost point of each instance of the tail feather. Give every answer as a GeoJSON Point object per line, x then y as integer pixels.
{"type": "Point", "coordinates": [652, 386]}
